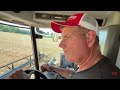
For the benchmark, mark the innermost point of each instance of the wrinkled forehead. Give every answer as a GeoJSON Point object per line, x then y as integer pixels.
{"type": "Point", "coordinates": [73, 29]}
{"type": "Point", "coordinates": [70, 31]}
{"type": "Point", "coordinates": [69, 28]}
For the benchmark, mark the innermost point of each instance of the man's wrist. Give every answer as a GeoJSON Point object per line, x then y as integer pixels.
{"type": "Point", "coordinates": [52, 68]}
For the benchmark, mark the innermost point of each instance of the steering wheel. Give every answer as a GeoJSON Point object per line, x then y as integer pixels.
{"type": "Point", "coordinates": [38, 73]}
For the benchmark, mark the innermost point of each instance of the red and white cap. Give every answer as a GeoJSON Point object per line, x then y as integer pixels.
{"type": "Point", "coordinates": [79, 19]}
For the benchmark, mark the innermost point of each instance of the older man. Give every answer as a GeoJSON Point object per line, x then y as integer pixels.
{"type": "Point", "coordinates": [80, 43]}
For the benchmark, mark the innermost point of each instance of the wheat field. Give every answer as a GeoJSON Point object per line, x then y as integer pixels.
{"type": "Point", "coordinates": [16, 46]}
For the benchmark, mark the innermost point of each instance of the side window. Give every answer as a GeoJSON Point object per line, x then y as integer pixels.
{"type": "Point", "coordinates": [15, 44]}
{"type": "Point", "coordinates": [102, 39]}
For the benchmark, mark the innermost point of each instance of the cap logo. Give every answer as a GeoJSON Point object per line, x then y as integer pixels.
{"type": "Point", "coordinates": [72, 17]}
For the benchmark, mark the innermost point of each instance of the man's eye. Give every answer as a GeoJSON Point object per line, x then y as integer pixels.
{"type": "Point", "coordinates": [67, 37]}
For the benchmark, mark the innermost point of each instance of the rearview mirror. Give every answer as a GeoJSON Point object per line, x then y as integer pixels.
{"type": "Point", "coordinates": [38, 36]}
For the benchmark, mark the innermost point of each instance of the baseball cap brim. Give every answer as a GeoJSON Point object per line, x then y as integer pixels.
{"type": "Point", "coordinates": [56, 25]}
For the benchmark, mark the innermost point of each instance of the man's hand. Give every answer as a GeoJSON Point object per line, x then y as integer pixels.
{"type": "Point", "coordinates": [20, 74]}
{"type": "Point", "coordinates": [46, 67]}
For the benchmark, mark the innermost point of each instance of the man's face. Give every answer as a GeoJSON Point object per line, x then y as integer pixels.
{"type": "Point", "coordinates": [74, 44]}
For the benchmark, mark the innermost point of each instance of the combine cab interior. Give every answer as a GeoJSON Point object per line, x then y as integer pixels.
{"type": "Point", "coordinates": [109, 33]}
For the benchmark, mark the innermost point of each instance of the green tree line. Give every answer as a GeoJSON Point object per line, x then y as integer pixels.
{"type": "Point", "coordinates": [6, 28]}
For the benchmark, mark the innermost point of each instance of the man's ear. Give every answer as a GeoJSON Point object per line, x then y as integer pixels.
{"type": "Point", "coordinates": [91, 37]}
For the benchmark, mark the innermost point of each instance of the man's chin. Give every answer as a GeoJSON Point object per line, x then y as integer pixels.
{"type": "Point", "coordinates": [68, 59]}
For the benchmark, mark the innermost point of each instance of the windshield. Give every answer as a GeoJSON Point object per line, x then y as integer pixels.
{"type": "Point", "coordinates": [47, 47]}
{"type": "Point", "coordinates": [16, 46]}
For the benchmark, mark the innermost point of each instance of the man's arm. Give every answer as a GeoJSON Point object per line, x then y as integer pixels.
{"type": "Point", "coordinates": [62, 71]}
{"type": "Point", "coordinates": [20, 74]}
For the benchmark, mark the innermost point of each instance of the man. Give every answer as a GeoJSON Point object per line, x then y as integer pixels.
{"type": "Point", "coordinates": [80, 43]}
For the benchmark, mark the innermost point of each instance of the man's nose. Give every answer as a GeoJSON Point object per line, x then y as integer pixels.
{"type": "Point", "coordinates": [62, 45]}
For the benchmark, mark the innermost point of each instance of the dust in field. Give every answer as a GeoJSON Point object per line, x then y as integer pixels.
{"type": "Point", "coordinates": [16, 46]}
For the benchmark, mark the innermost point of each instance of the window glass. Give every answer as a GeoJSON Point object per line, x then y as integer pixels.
{"type": "Point", "coordinates": [15, 44]}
